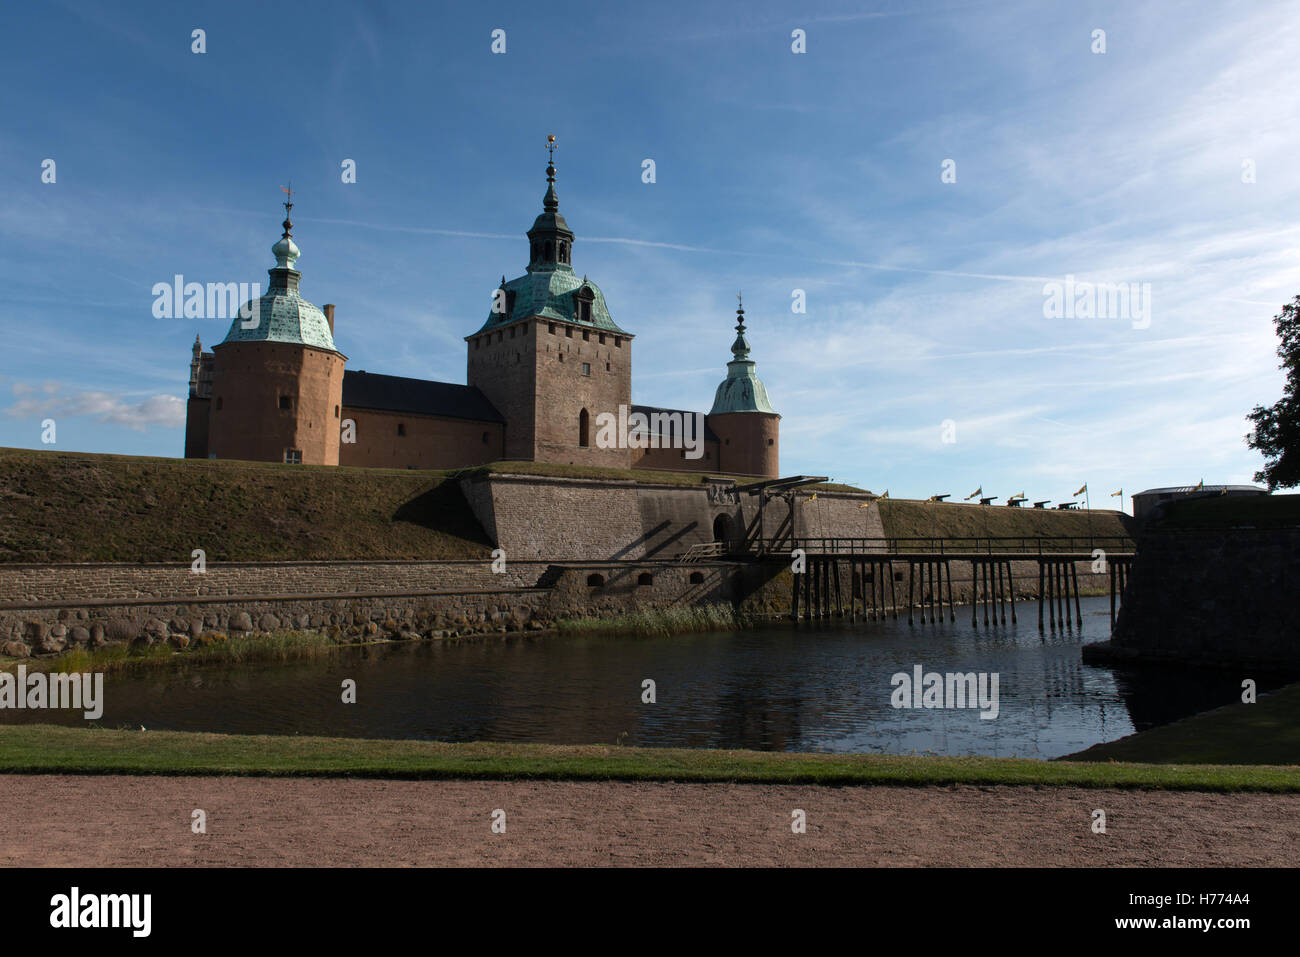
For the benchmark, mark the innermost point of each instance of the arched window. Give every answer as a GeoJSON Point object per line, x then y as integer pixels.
{"type": "Point", "coordinates": [697, 578]}
{"type": "Point", "coordinates": [645, 578]}
{"type": "Point", "coordinates": [584, 429]}
{"type": "Point", "coordinates": [595, 581]}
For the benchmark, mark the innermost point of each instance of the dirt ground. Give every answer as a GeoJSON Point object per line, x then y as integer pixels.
{"type": "Point", "coordinates": [119, 820]}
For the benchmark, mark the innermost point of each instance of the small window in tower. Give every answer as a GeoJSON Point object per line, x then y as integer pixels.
{"type": "Point", "coordinates": [584, 428]}
{"type": "Point", "coordinates": [550, 327]}
{"type": "Point", "coordinates": [586, 308]}
{"type": "Point", "coordinates": [568, 331]}
{"type": "Point", "coordinates": [602, 338]}
{"type": "Point", "coordinates": [293, 456]}
{"type": "Point", "coordinates": [618, 342]}
{"type": "Point", "coordinates": [606, 366]}
{"type": "Point", "coordinates": [769, 441]}
{"type": "Point", "coordinates": [336, 411]}
{"type": "Point", "coordinates": [401, 428]}
{"type": "Point", "coordinates": [586, 368]}
{"type": "Point", "coordinates": [286, 402]}
{"type": "Point", "coordinates": [512, 332]}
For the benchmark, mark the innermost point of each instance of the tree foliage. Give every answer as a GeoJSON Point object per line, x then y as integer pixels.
{"type": "Point", "coordinates": [1277, 427]}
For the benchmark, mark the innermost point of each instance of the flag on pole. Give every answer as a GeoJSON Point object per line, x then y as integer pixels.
{"type": "Point", "coordinates": [1120, 493]}
{"type": "Point", "coordinates": [1082, 488]}
{"type": "Point", "coordinates": [1200, 486]}
{"type": "Point", "coordinates": [975, 494]}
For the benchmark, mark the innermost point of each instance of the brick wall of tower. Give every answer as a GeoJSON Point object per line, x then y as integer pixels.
{"type": "Point", "coordinates": [750, 443]}
{"type": "Point", "coordinates": [564, 390]}
{"type": "Point", "coordinates": [423, 441]}
{"type": "Point", "coordinates": [249, 381]}
{"type": "Point", "coordinates": [197, 417]}
{"type": "Point", "coordinates": [502, 365]}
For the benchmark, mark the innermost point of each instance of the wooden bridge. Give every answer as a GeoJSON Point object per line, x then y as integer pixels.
{"type": "Point", "coordinates": [874, 565]}
{"type": "Point", "coordinates": [875, 568]}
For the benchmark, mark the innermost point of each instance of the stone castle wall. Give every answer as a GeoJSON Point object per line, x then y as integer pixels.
{"type": "Point", "coordinates": [1213, 597]}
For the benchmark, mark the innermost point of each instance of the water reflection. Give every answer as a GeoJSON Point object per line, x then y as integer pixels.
{"type": "Point", "coordinates": [779, 687]}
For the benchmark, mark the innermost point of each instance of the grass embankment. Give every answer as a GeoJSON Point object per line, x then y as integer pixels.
{"type": "Point", "coordinates": [1267, 732]}
{"type": "Point", "coordinates": [903, 518]}
{"type": "Point", "coordinates": [50, 749]}
{"type": "Point", "coordinates": [664, 621]}
{"type": "Point", "coordinates": [1232, 511]}
{"type": "Point", "coordinates": [78, 507]}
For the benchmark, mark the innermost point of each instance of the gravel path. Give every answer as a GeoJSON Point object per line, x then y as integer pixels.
{"type": "Point", "coordinates": [121, 820]}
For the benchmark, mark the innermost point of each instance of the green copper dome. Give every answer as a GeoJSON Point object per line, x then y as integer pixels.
{"type": "Point", "coordinates": [550, 288]}
{"type": "Point", "coordinates": [282, 315]}
{"type": "Point", "coordinates": [741, 390]}
{"type": "Point", "coordinates": [553, 294]}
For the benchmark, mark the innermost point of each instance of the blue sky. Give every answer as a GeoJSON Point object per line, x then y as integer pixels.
{"type": "Point", "coordinates": [775, 171]}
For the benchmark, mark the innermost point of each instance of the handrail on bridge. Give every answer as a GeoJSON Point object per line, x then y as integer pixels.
{"type": "Point", "coordinates": [953, 546]}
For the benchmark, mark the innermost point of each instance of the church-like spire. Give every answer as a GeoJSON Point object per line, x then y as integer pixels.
{"type": "Point", "coordinates": [550, 240]}
{"type": "Point", "coordinates": [741, 390]}
{"type": "Point", "coordinates": [285, 275]}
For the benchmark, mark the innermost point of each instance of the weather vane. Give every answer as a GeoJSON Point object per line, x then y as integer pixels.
{"type": "Point", "coordinates": [288, 205]}
{"type": "Point", "coordinates": [551, 146]}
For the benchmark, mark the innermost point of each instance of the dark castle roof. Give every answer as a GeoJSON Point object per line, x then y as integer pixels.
{"type": "Point", "coordinates": [648, 410]}
{"type": "Point", "coordinates": [391, 393]}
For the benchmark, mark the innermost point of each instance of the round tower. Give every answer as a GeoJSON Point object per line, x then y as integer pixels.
{"type": "Point", "coordinates": [747, 427]}
{"type": "Point", "coordinates": [277, 390]}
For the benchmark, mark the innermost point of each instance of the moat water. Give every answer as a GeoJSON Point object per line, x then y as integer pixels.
{"type": "Point", "coordinates": [779, 687]}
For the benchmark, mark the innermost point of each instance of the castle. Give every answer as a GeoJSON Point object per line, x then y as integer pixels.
{"type": "Point", "coordinates": [549, 380]}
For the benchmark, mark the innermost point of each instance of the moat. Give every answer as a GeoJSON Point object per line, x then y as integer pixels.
{"type": "Point", "coordinates": [776, 687]}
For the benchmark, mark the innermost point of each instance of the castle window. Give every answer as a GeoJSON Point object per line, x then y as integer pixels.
{"type": "Point", "coordinates": [769, 441]}
{"type": "Point", "coordinates": [602, 338]}
{"type": "Point", "coordinates": [401, 428]}
{"type": "Point", "coordinates": [618, 342]}
{"type": "Point", "coordinates": [645, 578]}
{"type": "Point", "coordinates": [606, 366]}
{"type": "Point", "coordinates": [286, 402]}
{"type": "Point", "coordinates": [293, 456]}
{"type": "Point", "coordinates": [586, 368]}
{"type": "Point", "coordinates": [584, 312]}
{"type": "Point", "coordinates": [218, 403]}
{"type": "Point", "coordinates": [512, 332]}
{"type": "Point", "coordinates": [584, 429]}
{"type": "Point", "coordinates": [568, 331]}
{"type": "Point", "coordinates": [595, 581]}
{"type": "Point", "coordinates": [586, 336]}
{"type": "Point", "coordinates": [697, 578]}
{"type": "Point", "coordinates": [336, 411]}
{"type": "Point", "coordinates": [550, 327]}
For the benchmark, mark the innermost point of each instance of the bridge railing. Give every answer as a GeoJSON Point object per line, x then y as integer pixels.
{"type": "Point", "coordinates": [981, 545]}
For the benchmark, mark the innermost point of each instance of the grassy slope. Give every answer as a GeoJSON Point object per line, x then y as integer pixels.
{"type": "Point", "coordinates": [50, 749]}
{"type": "Point", "coordinates": [912, 519]}
{"type": "Point", "coordinates": [79, 507]}
{"type": "Point", "coordinates": [1267, 732]}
